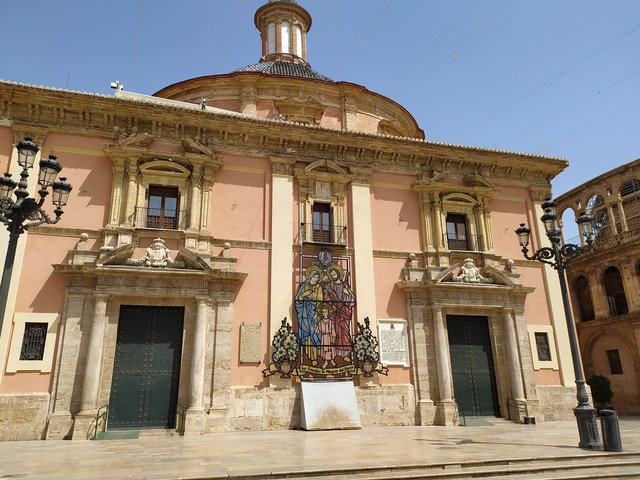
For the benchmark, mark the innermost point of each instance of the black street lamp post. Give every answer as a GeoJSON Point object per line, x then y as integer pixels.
{"type": "Point", "coordinates": [25, 212]}
{"type": "Point", "coordinates": [557, 256]}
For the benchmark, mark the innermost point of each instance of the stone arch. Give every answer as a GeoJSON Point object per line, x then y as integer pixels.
{"type": "Point", "coordinates": [568, 225]}
{"type": "Point", "coordinates": [623, 339]}
{"type": "Point", "coordinates": [329, 165]}
{"type": "Point", "coordinates": [613, 284]}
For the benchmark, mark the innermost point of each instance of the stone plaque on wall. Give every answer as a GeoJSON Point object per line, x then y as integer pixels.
{"type": "Point", "coordinates": [392, 335]}
{"type": "Point", "coordinates": [250, 343]}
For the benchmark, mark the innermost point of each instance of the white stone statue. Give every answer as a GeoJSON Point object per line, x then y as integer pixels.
{"type": "Point", "coordinates": [156, 255]}
{"type": "Point", "coordinates": [469, 273]}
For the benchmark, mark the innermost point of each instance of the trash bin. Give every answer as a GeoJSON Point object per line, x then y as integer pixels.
{"type": "Point", "coordinates": [610, 431]}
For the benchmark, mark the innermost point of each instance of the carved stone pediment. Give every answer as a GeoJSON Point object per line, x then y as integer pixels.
{"type": "Point", "coordinates": [137, 140]}
{"type": "Point", "coordinates": [156, 255]}
{"type": "Point", "coordinates": [478, 181]}
{"type": "Point", "coordinates": [118, 256]}
{"type": "Point", "coordinates": [305, 110]}
{"type": "Point", "coordinates": [468, 273]}
{"type": "Point", "coordinates": [391, 127]}
{"type": "Point", "coordinates": [192, 146]}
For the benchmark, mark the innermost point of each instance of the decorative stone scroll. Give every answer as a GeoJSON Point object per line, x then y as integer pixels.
{"type": "Point", "coordinates": [250, 343]}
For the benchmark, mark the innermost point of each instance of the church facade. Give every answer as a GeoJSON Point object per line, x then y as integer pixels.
{"type": "Point", "coordinates": [235, 237]}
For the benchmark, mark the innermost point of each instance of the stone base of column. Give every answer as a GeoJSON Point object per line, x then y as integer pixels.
{"type": "Point", "coordinates": [60, 426]}
{"type": "Point", "coordinates": [447, 413]}
{"type": "Point", "coordinates": [83, 425]}
{"type": "Point", "coordinates": [426, 412]}
{"type": "Point", "coordinates": [193, 422]}
{"type": "Point", "coordinates": [218, 420]}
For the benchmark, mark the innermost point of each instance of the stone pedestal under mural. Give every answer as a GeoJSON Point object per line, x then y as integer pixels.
{"type": "Point", "coordinates": [329, 406]}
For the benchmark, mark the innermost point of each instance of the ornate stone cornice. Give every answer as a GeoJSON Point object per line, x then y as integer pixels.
{"type": "Point", "coordinates": [97, 115]}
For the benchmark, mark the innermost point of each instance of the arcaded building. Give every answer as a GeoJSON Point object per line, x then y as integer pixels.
{"type": "Point", "coordinates": [604, 281]}
{"type": "Point", "coordinates": [234, 237]}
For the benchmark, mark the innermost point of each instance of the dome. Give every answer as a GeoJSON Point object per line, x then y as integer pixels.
{"type": "Point", "coordinates": [278, 67]}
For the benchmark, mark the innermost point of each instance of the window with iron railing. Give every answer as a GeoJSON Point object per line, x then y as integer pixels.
{"type": "Point", "coordinates": [162, 209]}
{"type": "Point", "coordinates": [317, 233]}
{"type": "Point", "coordinates": [457, 237]}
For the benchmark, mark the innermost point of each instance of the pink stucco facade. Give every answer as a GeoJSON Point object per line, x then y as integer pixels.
{"type": "Point", "coordinates": [286, 201]}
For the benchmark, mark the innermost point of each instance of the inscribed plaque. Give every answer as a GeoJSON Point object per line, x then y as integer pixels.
{"type": "Point", "coordinates": [392, 335]}
{"type": "Point", "coordinates": [250, 343]}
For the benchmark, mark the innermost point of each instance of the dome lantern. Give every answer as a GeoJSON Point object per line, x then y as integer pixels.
{"type": "Point", "coordinates": [283, 26]}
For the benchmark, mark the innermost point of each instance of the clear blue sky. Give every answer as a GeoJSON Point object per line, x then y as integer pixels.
{"type": "Point", "coordinates": [552, 77]}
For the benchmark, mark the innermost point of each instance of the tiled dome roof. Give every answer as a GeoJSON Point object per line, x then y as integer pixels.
{"type": "Point", "coordinates": [290, 69]}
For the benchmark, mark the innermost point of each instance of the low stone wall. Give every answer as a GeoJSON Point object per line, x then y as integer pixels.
{"type": "Point", "coordinates": [23, 416]}
{"type": "Point", "coordinates": [557, 403]}
{"type": "Point", "coordinates": [275, 408]}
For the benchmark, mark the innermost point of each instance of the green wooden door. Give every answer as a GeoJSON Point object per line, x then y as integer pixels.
{"type": "Point", "coordinates": [146, 371]}
{"type": "Point", "coordinates": [474, 380]}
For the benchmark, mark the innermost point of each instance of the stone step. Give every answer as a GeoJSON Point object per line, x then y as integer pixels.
{"type": "Point", "coordinates": [599, 466]}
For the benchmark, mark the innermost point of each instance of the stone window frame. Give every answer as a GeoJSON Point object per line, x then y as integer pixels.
{"type": "Point", "coordinates": [462, 204]}
{"type": "Point", "coordinates": [541, 364]}
{"type": "Point", "coordinates": [20, 319]}
{"type": "Point", "coordinates": [337, 178]}
{"type": "Point", "coordinates": [167, 174]}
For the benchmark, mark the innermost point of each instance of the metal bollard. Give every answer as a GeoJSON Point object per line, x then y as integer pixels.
{"type": "Point", "coordinates": [610, 431]}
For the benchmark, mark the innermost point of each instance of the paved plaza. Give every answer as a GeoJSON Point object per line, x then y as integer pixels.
{"type": "Point", "coordinates": [258, 454]}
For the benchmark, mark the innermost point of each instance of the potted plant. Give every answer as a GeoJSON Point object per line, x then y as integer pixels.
{"type": "Point", "coordinates": [365, 346]}
{"type": "Point", "coordinates": [285, 349]}
{"type": "Point", "coordinates": [600, 391]}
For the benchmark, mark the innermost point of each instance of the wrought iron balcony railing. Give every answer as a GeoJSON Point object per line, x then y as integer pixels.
{"type": "Point", "coordinates": [330, 234]}
{"type": "Point", "coordinates": [160, 218]}
{"type": "Point", "coordinates": [464, 242]}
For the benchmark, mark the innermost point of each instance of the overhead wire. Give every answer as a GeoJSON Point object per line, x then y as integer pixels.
{"type": "Point", "coordinates": [609, 117]}
{"type": "Point", "coordinates": [445, 33]}
{"type": "Point", "coordinates": [362, 37]}
{"type": "Point", "coordinates": [550, 81]}
{"type": "Point", "coordinates": [498, 9]}
{"type": "Point", "coordinates": [598, 92]}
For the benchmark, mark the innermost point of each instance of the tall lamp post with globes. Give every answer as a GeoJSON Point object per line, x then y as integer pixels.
{"type": "Point", "coordinates": [25, 212]}
{"type": "Point", "coordinates": [557, 256]}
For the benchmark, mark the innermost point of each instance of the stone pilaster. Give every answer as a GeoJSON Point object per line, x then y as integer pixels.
{"type": "Point", "coordinates": [513, 359]}
{"type": "Point", "coordinates": [93, 367]}
{"type": "Point", "coordinates": [194, 419]}
{"type": "Point", "coordinates": [221, 380]}
{"type": "Point", "coordinates": [446, 405]}
{"type": "Point", "coordinates": [420, 361]}
{"type": "Point", "coordinates": [61, 421]}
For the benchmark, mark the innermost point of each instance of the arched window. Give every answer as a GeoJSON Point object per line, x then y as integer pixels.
{"type": "Point", "coordinates": [597, 208]}
{"type": "Point", "coordinates": [298, 41]}
{"type": "Point", "coordinates": [285, 37]}
{"type": "Point", "coordinates": [615, 292]}
{"type": "Point", "coordinates": [584, 299]}
{"type": "Point", "coordinates": [271, 38]}
{"type": "Point", "coordinates": [630, 194]}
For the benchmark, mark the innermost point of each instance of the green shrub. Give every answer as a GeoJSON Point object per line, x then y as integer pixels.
{"type": "Point", "coordinates": [600, 390]}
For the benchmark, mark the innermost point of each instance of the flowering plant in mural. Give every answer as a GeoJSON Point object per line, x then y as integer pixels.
{"type": "Point", "coordinates": [365, 344]}
{"type": "Point", "coordinates": [285, 347]}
